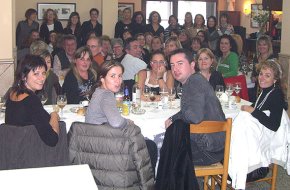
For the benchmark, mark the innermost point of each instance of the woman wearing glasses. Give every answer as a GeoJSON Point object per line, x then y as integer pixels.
{"type": "Point", "coordinates": [158, 77]}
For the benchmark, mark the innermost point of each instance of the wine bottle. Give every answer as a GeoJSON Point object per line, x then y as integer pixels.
{"type": "Point", "coordinates": [136, 95]}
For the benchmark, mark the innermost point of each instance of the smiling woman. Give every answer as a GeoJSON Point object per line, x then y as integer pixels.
{"type": "Point", "coordinates": [23, 107]}
{"type": "Point", "coordinates": [79, 82]}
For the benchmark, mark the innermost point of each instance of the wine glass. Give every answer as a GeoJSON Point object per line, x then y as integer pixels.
{"type": "Point", "coordinates": [219, 90]}
{"type": "Point", "coordinates": [61, 102]}
{"type": "Point", "coordinates": [171, 96]}
{"type": "Point", "coordinates": [163, 96]}
{"type": "Point", "coordinates": [43, 97]}
{"type": "Point", "coordinates": [237, 88]}
{"type": "Point", "coordinates": [179, 91]}
{"type": "Point", "coordinates": [146, 93]}
{"type": "Point", "coordinates": [152, 96]}
{"type": "Point", "coordinates": [229, 91]}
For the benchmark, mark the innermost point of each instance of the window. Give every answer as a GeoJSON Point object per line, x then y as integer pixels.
{"type": "Point", "coordinates": [179, 8]}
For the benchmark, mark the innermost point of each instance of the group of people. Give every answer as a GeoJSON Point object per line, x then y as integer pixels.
{"type": "Point", "coordinates": [92, 66]}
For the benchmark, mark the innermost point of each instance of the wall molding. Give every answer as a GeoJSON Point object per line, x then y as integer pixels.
{"type": "Point", "coordinates": [7, 61]}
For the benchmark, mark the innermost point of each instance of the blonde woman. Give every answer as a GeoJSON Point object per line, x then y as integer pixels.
{"type": "Point", "coordinates": [79, 81]}
{"type": "Point", "coordinates": [171, 44]}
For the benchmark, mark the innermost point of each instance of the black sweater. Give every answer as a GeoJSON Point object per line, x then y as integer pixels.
{"type": "Point", "coordinates": [30, 111]}
{"type": "Point", "coordinates": [275, 104]}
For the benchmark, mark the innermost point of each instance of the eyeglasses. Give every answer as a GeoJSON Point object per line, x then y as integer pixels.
{"type": "Point", "coordinates": [158, 62]}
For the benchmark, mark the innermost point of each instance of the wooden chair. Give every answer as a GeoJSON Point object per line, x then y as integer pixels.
{"type": "Point", "coordinates": [217, 168]}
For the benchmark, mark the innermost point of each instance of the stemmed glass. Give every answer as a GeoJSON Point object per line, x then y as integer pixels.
{"type": "Point", "coordinates": [237, 88]}
{"type": "Point", "coordinates": [171, 96]}
{"type": "Point", "coordinates": [179, 91]}
{"type": "Point", "coordinates": [229, 91]}
{"type": "Point", "coordinates": [146, 93]}
{"type": "Point", "coordinates": [219, 90]}
{"type": "Point", "coordinates": [163, 96]}
{"type": "Point", "coordinates": [152, 96]}
{"type": "Point", "coordinates": [61, 102]}
{"type": "Point", "coordinates": [43, 97]}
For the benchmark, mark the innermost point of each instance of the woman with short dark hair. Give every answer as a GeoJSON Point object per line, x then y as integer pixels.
{"type": "Point", "coordinates": [154, 26]}
{"type": "Point", "coordinates": [23, 107]}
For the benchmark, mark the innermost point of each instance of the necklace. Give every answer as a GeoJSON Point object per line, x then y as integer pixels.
{"type": "Point", "coordinates": [264, 100]}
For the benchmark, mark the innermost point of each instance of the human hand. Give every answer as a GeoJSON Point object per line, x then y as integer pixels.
{"type": "Point", "coordinates": [161, 70]}
{"type": "Point", "coordinates": [55, 115]}
{"type": "Point", "coordinates": [246, 108]}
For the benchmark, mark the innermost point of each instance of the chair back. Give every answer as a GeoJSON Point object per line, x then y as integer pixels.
{"type": "Point", "coordinates": [213, 170]}
{"type": "Point", "coordinates": [242, 79]}
{"type": "Point", "coordinates": [118, 158]}
{"type": "Point", "coordinates": [22, 147]}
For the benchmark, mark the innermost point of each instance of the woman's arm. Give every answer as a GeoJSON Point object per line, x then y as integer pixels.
{"type": "Point", "coordinates": [142, 75]}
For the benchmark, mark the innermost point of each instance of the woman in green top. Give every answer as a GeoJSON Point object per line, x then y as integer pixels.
{"type": "Point", "coordinates": [228, 61]}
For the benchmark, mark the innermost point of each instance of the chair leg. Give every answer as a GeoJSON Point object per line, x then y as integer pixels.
{"type": "Point", "coordinates": [274, 176]}
{"type": "Point", "coordinates": [224, 182]}
{"type": "Point", "coordinates": [212, 186]}
{"type": "Point", "coordinates": [205, 183]}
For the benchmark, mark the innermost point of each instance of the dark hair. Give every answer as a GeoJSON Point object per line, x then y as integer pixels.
{"type": "Point", "coordinates": [196, 39]}
{"type": "Point", "coordinates": [29, 63]}
{"type": "Point", "coordinates": [234, 47]}
{"type": "Point", "coordinates": [127, 8]}
{"type": "Point", "coordinates": [211, 17]}
{"type": "Point", "coordinates": [187, 54]}
{"type": "Point", "coordinates": [68, 37]}
{"type": "Point", "coordinates": [105, 68]}
{"type": "Point", "coordinates": [69, 20]}
{"type": "Point", "coordinates": [172, 16]}
{"type": "Point", "coordinates": [224, 15]}
{"type": "Point", "coordinates": [128, 41]}
{"type": "Point", "coordinates": [137, 13]}
{"type": "Point", "coordinates": [29, 12]}
{"type": "Point", "coordinates": [151, 15]}
{"type": "Point", "coordinates": [94, 9]}
{"type": "Point", "coordinates": [157, 52]}
{"type": "Point", "coordinates": [204, 35]}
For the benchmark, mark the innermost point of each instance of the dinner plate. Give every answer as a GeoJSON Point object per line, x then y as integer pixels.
{"type": "Point", "coordinates": [3, 109]}
{"type": "Point", "coordinates": [138, 112]}
{"type": "Point", "coordinates": [74, 109]}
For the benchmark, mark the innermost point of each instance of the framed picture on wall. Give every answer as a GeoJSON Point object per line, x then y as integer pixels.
{"type": "Point", "coordinates": [122, 6]}
{"type": "Point", "coordinates": [255, 10]}
{"type": "Point", "coordinates": [63, 10]}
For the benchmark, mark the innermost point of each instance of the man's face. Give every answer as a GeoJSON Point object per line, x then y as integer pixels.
{"type": "Point", "coordinates": [181, 68]}
{"type": "Point", "coordinates": [70, 47]}
{"type": "Point", "coordinates": [94, 46]}
{"type": "Point", "coordinates": [135, 49]}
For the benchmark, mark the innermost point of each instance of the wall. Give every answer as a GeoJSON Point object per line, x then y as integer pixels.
{"type": "Point", "coordinates": [137, 3]}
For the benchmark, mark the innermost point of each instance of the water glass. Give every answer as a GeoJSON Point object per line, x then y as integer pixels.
{"type": "Point", "coordinates": [237, 88]}
{"type": "Point", "coordinates": [219, 90]}
{"type": "Point", "coordinates": [171, 96]}
{"type": "Point", "coordinates": [146, 93]}
{"type": "Point", "coordinates": [61, 102]}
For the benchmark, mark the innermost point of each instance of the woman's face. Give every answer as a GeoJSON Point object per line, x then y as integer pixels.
{"type": "Point", "coordinates": [94, 16]}
{"type": "Point", "coordinates": [155, 18]}
{"type": "Point", "coordinates": [224, 20]}
{"type": "Point", "coordinates": [50, 15]}
{"type": "Point", "coordinates": [113, 79]}
{"type": "Point", "coordinates": [74, 20]}
{"type": "Point", "coordinates": [263, 47]}
{"type": "Point", "coordinates": [148, 39]}
{"type": "Point", "coordinates": [266, 78]}
{"type": "Point", "coordinates": [157, 62]}
{"type": "Point", "coordinates": [156, 44]}
{"type": "Point", "coordinates": [225, 45]}
{"type": "Point", "coordinates": [170, 47]}
{"type": "Point", "coordinates": [48, 62]}
{"type": "Point", "coordinates": [83, 63]}
{"type": "Point", "coordinates": [195, 46]}
{"type": "Point", "coordinates": [198, 20]}
{"type": "Point", "coordinates": [33, 16]}
{"type": "Point", "coordinates": [172, 21]}
{"type": "Point", "coordinates": [35, 79]}
{"type": "Point", "coordinates": [188, 18]}
{"type": "Point", "coordinates": [211, 22]}
{"type": "Point", "coordinates": [139, 19]}
{"type": "Point", "coordinates": [204, 62]}
{"type": "Point", "coordinates": [127, 14]}
{"type": "Point", "coordinates": [201, 36]}
{"type": "Point", "coordinates": [182, 37]}
{"type": "Point", "coordinates": [141, 40]}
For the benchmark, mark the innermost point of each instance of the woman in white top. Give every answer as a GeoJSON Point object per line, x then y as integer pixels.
{"type": "Point", "coordinates": [158, 77]}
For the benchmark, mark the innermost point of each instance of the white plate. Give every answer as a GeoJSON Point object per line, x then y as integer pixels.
{"type": "Point", "coordinates": [3, 109]}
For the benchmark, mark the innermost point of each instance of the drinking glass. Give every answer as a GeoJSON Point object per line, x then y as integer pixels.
{"type": "Point", "coordinates": [152, 97]}
{"type": "Point", "coordinates": [163, 96]}
{"type": "Point", "coordinates": [171, 96]}
{"type": "Point", "coordinates": [179, 91]}
{"type": "Point", "coordinates": [219, 90]}
{"type": "Point", "coordinates": [237, 88]}
{"type": "Point", "coordinates": [61, 102]}
{"type": "Point", "coordinates": [146, 93]}
{"type": "Point", "coordinates": [61, 78]}
{"type": "Point", "coordinates": [229, 91]}
{"type": "Point", "coordinates": [43, 97]}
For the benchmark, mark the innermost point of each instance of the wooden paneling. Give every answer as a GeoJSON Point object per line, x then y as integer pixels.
{"type": "Point", "coordinates": [234, 17]}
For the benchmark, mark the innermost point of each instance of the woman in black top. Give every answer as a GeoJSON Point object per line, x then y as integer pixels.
{"type": "Point", "coordinates": [138, 23]}
{"type": "Point", "coordinates": [206, 66]}
{"type": "Point", "coordinates": [23, 107]}
{"type": "Point", "coordinates": [154, 26]}
{"type": "Point", "coordinates": [81, 78]}
{"type": "Point", "coordinates": [50, 22]}
{"type": "Point", "coordinates": [74, 26]}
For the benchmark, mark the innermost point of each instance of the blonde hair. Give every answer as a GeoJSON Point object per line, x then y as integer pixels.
{"type": "Point", "coordinates": [268, 41]}
{"type": "Point", "coordinates": [209, 53]}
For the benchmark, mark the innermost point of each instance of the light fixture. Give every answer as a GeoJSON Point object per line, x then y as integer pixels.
{"type": "Point", "coordinates": [277, 13]}
{"type": "Point", "coordinates": [247, 12]}
{"type": "Point", "coordinates": [247, 8]}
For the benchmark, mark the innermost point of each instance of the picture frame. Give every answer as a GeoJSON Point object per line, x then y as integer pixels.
{"type": "Point", "coordinates": [255, 9]}
{"type": "Point", "coordinates": [122, 6]}
{"type": "Point", "coordinates": [63, 10]}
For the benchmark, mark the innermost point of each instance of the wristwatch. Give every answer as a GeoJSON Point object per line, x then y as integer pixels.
{"type": "Point", "coordinates": [160, 78]}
